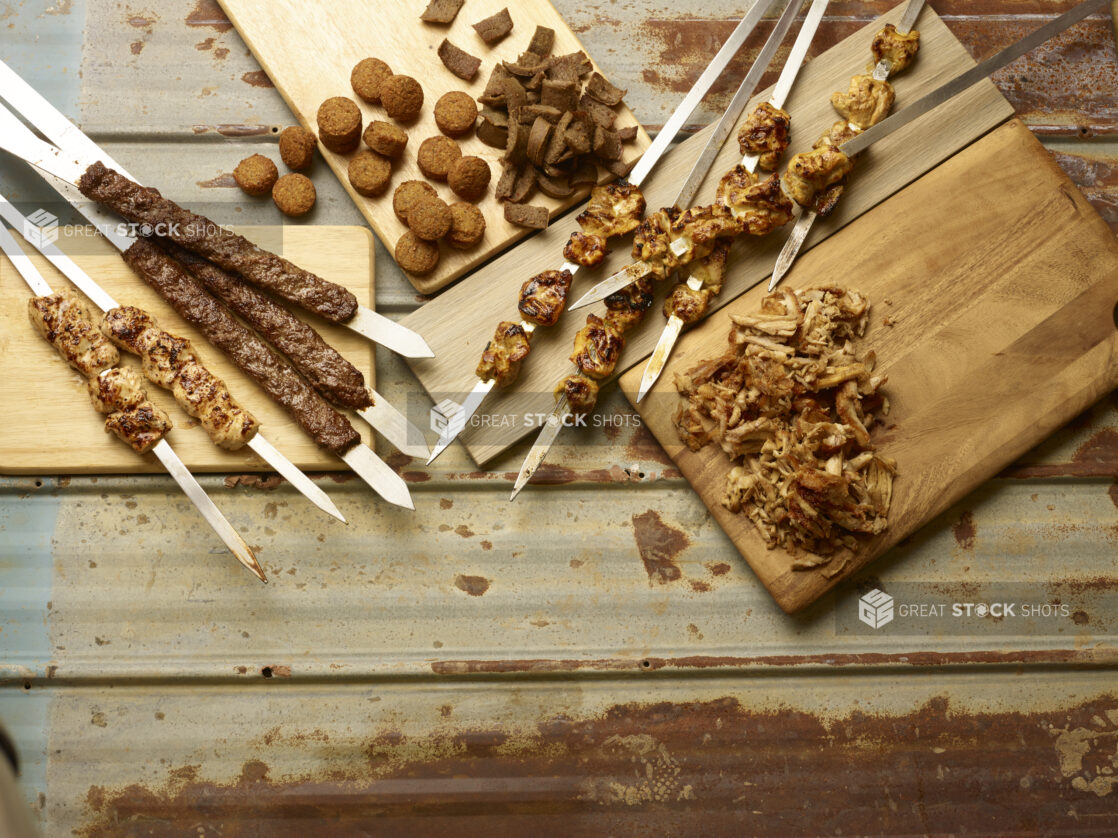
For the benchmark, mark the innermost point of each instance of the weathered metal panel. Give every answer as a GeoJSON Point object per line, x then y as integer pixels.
{"type": "Point", "coordinates": [594, 659]}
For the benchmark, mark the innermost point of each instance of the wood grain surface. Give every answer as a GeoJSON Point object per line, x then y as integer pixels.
{"type": "Point", "coordinates": [57, 431]}
{"type": "Point", "coordinates": [460, 321]}
{"type": "Point", "coordinates": [1003, 285]}
{"type": "Point", "coordinates": [309, 56]}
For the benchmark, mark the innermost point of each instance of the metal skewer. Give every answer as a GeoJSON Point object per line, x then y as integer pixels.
{"type": "Point", "coordinates": [16, 138]}
{"type": "Point", "coordinates": [804, 223]}
{"type": "Point", "coordinates": [162, 449]}
{"type": "Point", "coordinates": [26, 100]}
{"type": "Point", "coordinates": [651, 156]}
{"type": "Point", "coordinates": [263, 448]}
{"type": "Point", "coordinates": [558, 416]}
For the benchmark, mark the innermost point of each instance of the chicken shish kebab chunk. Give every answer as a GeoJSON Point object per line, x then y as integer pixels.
{"type": "Point", "coordinates": [543, 297]}
{"type": "Point", "coordinates": [791, 404]}
{"type": "Point", "coordinates": [598, 348]}
{"type": "Point", "coordinates": [625, 308]}
{"type": "Point", "coordinates": [501, 359]}
{"type": "Point", "coordinates": [866, 103]}
{"type": "Point", "coordinates": [890, 45]}
{"type": "Point", "coordinates": [170, 362]}
{"type": "Point", "coordinates": [759, 207]}
{"type": "Point", "coordinates": [614, 210]}
{"type": "Point", "coordinates": [811, 172]}
{"type": "Point", "coordinates": [766, 133]}
{"type": "Point", "coordinates": [689, 304]}
{"type": "Point", "coordinates": [580, 392]}
{"type": "Point", "coordinates": [66, 323]}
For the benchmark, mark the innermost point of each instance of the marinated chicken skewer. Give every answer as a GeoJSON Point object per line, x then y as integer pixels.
{"type": "Point", "coordinates": [808, 174]}
{"type": "Point", "coordinates": [221, 417]}
{"type": "Point", "coordinates": [762, 139]}
{"type": "Point", "coordinates": [83, 156]}
{"type": "Point", "coordinates": [65, 323]}
{"type": "Point", "coordinates": [867, 103]}
{"type": "Point", "coordinates": [323, 366]}
{"type": "Point", "coordinates": [613, 210]}
{"type": "Point", "coordinates": [741, 206]}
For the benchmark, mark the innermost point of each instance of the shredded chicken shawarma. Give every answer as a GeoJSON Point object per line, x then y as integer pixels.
{"type": "Point", "coordinates": [791, 403]}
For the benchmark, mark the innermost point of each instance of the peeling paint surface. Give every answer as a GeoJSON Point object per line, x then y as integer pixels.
{"type": "Point", "coordinates": [592, 660]}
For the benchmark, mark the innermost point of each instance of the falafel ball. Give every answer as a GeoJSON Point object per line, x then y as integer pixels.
{"type": "Point", "coordinates": [429, 218]}
{"type": "Point", "coordinates": [436, 156]}
{"type": "Point", "coordinates": [467, 226]}
{"type": "Point", "coordinates": [401, 97]}
{"type": "Point", "coordinates": [297, 145]}
{"type": "Point", "coordinates": [468, 177]}
{"type": "Point", "coordinates": [367, 77]}
{"type": "Point", "coordinates": [455, 113]}
{"type": "Point", "coordinates": [339, 124]}
{"type": "Point", "coordinates": [386, 138]}
{"type": "Point", "coordinates": [415, 255]}
{"type": "Point", "coordinates": [369, 173]}
{"type": "Point", "coordinates": [256, 175]}
{"type": "Point", "coordinates": [294, 194]}
{"type": "Point", "coordinates": [407, 194]}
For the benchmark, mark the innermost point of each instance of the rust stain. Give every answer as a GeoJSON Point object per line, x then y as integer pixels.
{"type": "Point", "coordinates": [136, 47]}
{"type": "Point", "coordinates": [416, 476]}
{"type": "Point", "coordinates": [142, 20]}
{"type": "Point", "coordinates": [659, 545]}
{"type": "Point", "coordinates": [257, 78]}
{"type": "Point", "coordinates": [464, 531]}
{"type": "Point", "coordinates": [206, 44]}
{"type": "Point", "coordinates": [397, 460]}
{"type": "Point", "coordinates": [208, 13]}
{"type": "Point", "coordinates": [473, 585]}
{"type": "Point", "coordinates": [644, 447]}
{"type": "Point", "coordinates": [713, 767]}
{"type": "Point", "coordinates": [720, 569]}
{"type": "Point", "coordinates": [221, 52]}
{"type": "Point", "coordinates": [223, 181]}
{"type": "Point", "coordinates": [254, 481]}
{"type": "Point", "coordinates": [964, 531]}
{"type": "Point", "coordinates": [699, 587]}
{"type": "Point", "coordinates": [1100, 448]}
{"type": "Point", "coordinates": [445, 503]}
{"type": "Point", "coordinates": [1080, 618]}
{"type": "Point", "coordinates": [486, 545]}
{"type": "Point", "coordinates": [1113, 492]}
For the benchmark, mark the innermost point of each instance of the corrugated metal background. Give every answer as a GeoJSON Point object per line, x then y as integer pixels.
{"type": "Point", "coordinates": [592, 660]}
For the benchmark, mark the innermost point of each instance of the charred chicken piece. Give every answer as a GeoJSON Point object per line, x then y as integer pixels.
{"type": "Point", "coordinates": [650, 244]}
{"type": "Point", "coordinates": [686, 303]}
{"type": "Point", "coordinates": [501, 359]}
{"type": "Point", "coordinates": [205, 397]}
{"type": "Point", "coordinates": [585, 249]}
{"type": "Point", "coordinates": [733, 186]}
{"type": "Point", "coordinates": [614, 210]}
{"type": "Point", "coordinates": [597, 348]}
{"type": "Point", "coordinates": [765, 133]}
{"type": "Point", "coordinates": [141, 427]}
{"type": "Point", "coordinates": [65, 322]}
{"type": "Point", "coordinates": [866, 103]}
{"type": "Point", "coordinates": [899, 50]}
{"type": "Point", "coordinates": [759, 208]}
{"type": "Point", "coordinates": [812, 171]}
{"type": "Point", "coordinates": [827, 199]}
{"type": "Point", "coordinates": [543, 297]}
{"type": "Point", "coordinates": [581, 393]}
{"type": "Point", "coordinates": [119, 388]}
{"type": "Point", "coordinates": [711, 269]}
{"type": "Point", "coordinates": [837, 134]}
{"type": "Point", "coordinates": [625, 308]}
{"type": "Point", "coordinates": [164, 355]}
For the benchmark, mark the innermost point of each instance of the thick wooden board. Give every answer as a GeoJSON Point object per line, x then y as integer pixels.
{"type": "Point", "coordinates": [53, 429]}
{"type": "Point", "coordinates": [460, 321]}
{"type": "Point", "coordinates": [308, 55]}
{"type": "Point", "coordinates": [1003, 284]}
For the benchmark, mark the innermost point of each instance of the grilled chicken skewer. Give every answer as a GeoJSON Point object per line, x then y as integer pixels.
{"type": "Point", "coordinates": [764, 137]}
{"type": "Point", "coordinates": [613, 210]}
{"type": "Point", "coordinates": [809, 176]}
{"type": "Point", "coordinates": [66, 324]}
{"type": "Point", "coordinates": [198, 386]}
{"type": "Point", "coordinates": [893, 49]}
{"type": "Point", "coordinates": [227, 249]}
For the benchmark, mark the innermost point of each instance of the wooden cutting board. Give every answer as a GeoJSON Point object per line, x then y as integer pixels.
{"type": "Point", "coordinates": [1003, 284]}
{"type": "Point", "coordinates": [459, 322]}
{"type": "Point", "coordinates": [53, 429]}
{"type": "Point", "coordinates": [309, 49]}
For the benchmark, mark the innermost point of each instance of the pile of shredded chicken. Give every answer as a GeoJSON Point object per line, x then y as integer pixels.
{"type": "Point", "coordinates": [791, 404]}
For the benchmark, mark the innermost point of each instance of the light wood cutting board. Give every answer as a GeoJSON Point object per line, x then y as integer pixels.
{"type": "Point", "coordinates": [53, 429]}
{"type": "Point", "coordinates": [308, 51]}
{"type": "Point", "coordinates": [459, 322]}
{"type": "Point", "coordinates": [1003, 284]}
